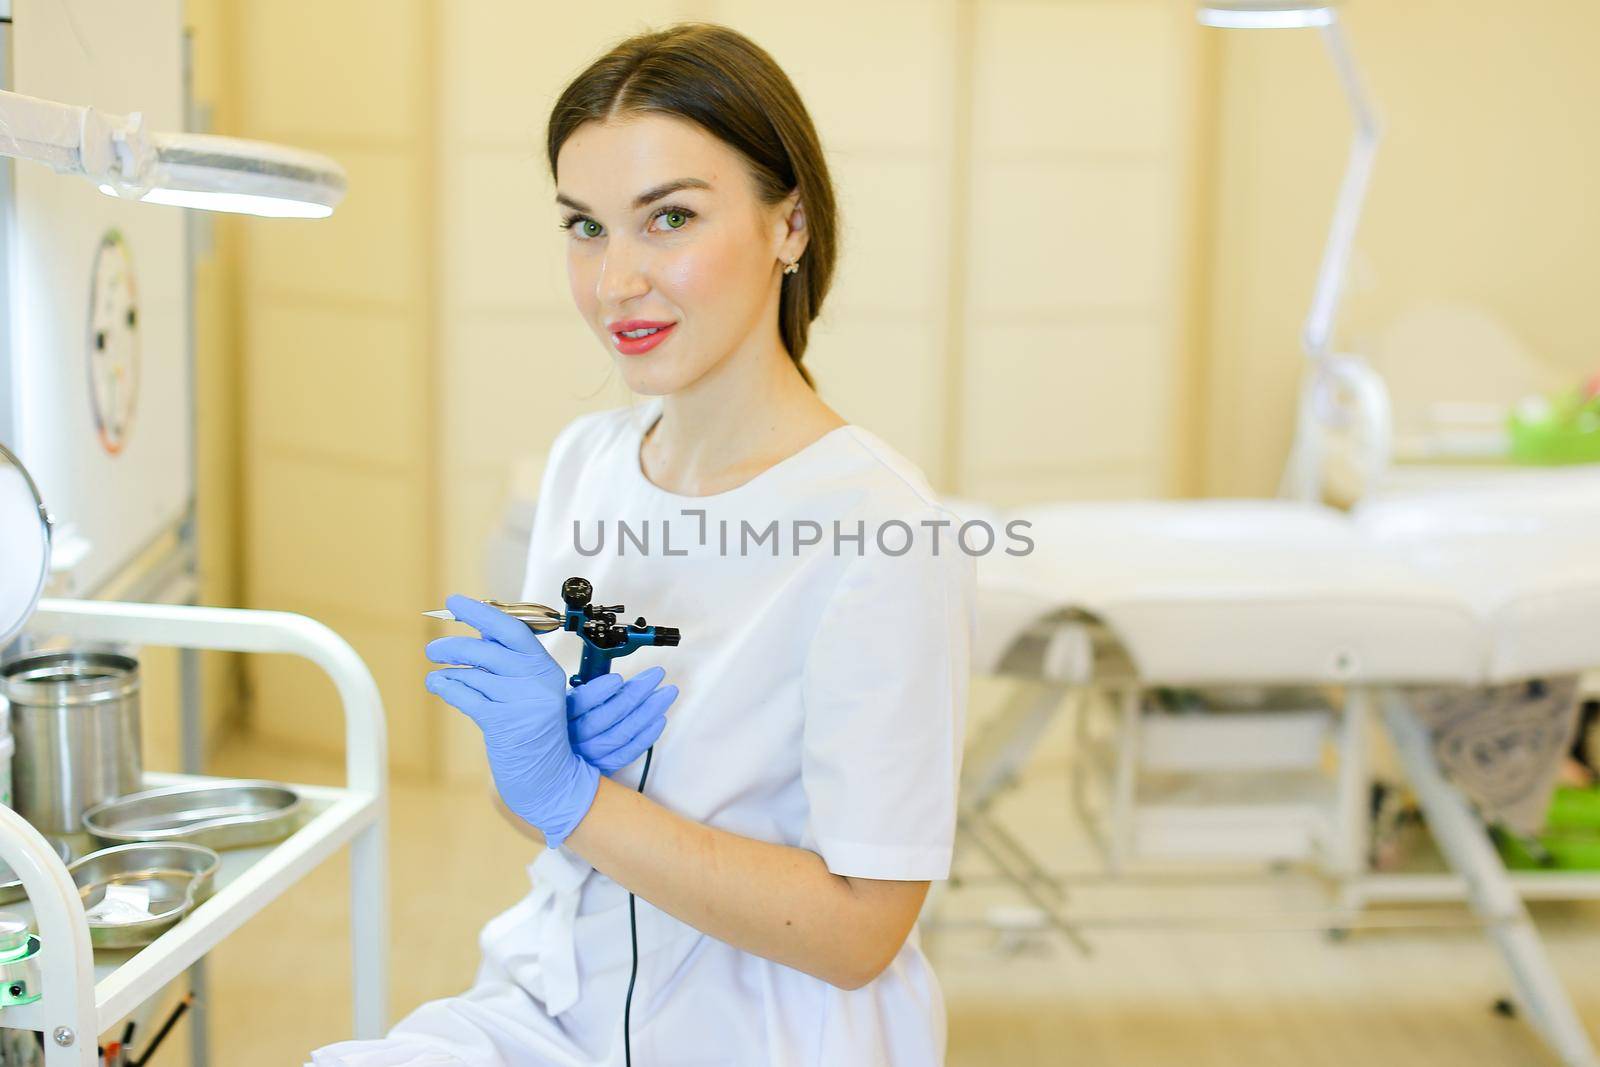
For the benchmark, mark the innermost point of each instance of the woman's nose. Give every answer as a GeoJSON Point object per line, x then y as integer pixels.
{"type": "Point", "coordinates": [622, 274]}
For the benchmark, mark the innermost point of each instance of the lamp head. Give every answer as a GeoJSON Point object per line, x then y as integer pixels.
{"type": "Point", "coordinates": [248, 177]}
{"type": "Point", "coordinates": [127, 161]}
{"type": "Point", "coordinates": [1266, 14]}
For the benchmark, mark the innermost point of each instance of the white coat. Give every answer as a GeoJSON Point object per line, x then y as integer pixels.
{"type": "Point", "coordinates": [823, 693]}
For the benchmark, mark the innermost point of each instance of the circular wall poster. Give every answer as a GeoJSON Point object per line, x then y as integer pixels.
{"type": "Point", "coordinates": [113, 342]}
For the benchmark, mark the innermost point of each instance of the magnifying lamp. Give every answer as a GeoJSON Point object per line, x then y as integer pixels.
{"type": "Point", "coordinates": [179, 169]}
{"type": "Point", "coordinates": [1344, 375]}
{"type": "Point", "coordinates": [24, 545]}
{"type": "Point", "coordinates": [1265, 14]}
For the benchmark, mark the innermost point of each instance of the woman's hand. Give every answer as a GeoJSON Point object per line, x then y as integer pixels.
{"type": "Point", "coordinates": [611, 722]}
{"type": "Point", "coordinates": [516, 693]}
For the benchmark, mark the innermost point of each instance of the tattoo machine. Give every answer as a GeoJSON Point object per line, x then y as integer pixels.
{"type": "Point", "coordinates": [604, 639]}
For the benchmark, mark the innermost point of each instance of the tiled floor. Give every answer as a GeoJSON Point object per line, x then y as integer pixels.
{"type": "Point", "coordinates": [1148, 996]}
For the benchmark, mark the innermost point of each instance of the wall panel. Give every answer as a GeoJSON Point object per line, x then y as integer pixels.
{"type": "Point", "coordinates": [1075, 286]}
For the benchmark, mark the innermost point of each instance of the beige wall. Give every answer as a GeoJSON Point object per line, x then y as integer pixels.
{"type": "Point", "coordinates": [1076, 270]}
{"type": "Point", "coordinates": [337, 410]}
{"type": "Point", "coordinates": [1482, 198]}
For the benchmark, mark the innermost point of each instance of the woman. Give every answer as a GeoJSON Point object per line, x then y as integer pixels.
{"type": "Point", "coordinates": [801, 793]}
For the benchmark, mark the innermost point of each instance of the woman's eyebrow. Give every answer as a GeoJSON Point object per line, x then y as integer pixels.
{"type": "Point", "coordinates": [646, 197]}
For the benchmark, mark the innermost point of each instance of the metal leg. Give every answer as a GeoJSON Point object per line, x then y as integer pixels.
{"type": "Point", "coordinates": [1084, 770]}
{"type": "Point", "coordinates": [1042, 891]}
{"type": "Point", "coordinates": [1347, 851]}
{"type": "Point", "coordinates": [1124, 789]}
{"type": "Point", "coordinates": [992, 766]}
{"type": "Point", "coordinates": [193, 761]}
{"type": "Point", "coordinates": [1006, 743]}
{"type": "Point", "coordinates": [1460, 836]}
{"type": "Point", "coordinates": [930, 920]}
{"type": "Point", "coordinates": [199, 1030]}
{"type": "Point", "coordinates": [369, 931]}
{"type": "Point", "coordinates": [993, 763]}
{"type": "Point", "coordinates": [1019, 864]}
{"type": "Point", "coordinates": [194, 743]}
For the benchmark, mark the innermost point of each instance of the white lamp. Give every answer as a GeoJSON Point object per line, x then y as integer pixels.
{"type": "Point", "coordinates": [1265, 15]}
{"type": "Point", "coordinates": [183, 170]}
{"type": "Point", "coordinates": [1334, 374]}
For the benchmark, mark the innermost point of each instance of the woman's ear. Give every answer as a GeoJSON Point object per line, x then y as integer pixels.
{"type": "Point", "coordinates": [795, 235]}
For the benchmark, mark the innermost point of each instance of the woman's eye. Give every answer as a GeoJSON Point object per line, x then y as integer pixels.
{"type": "Point", "coordinates": [675, 218]}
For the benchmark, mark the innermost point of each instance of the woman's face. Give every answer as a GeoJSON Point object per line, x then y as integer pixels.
{"type": "Point", "coordinates": [664, 229]}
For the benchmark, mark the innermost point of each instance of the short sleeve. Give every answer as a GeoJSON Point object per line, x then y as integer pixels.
{"type": "Point", "coordinates": [885, 696]}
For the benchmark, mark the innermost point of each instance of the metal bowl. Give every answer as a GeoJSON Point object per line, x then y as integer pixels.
{"type": "Point", "coordinates": [179, 877]}
{"type": "Point", "coordinates": [11, 889]}
{"type": "Point", "coordinates": [228, 815]}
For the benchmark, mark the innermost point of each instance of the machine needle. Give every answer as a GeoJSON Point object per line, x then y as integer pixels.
{"type": "Point", "coordinates": [538, 617]}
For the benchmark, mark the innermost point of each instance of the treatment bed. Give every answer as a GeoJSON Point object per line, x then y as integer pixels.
{"type": "Point", "coordinates": [1464, 619]}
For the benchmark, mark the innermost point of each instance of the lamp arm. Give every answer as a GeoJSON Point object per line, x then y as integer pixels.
{"type": "Point", "coordinates": [41, 130]}
{"type": "Point", "coordinates": [108, 149]}
{"type": "Point", "coordinates": [1317, 334]}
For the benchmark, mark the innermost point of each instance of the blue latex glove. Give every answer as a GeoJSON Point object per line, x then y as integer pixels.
{"type": "Point", "coordinates": [611, 722]}
{"type": "Point", "coordinates": [516, 693]}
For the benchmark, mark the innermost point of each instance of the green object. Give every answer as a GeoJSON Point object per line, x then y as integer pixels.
{"type": "Point", "coordinates": [19, 963]}
{"type": "Point", "coordinates": [1571, 837]}
{"type": "Point", "coordinates": [1574, 809]}
{"type": "Point", "coordinates": [1563, 430]}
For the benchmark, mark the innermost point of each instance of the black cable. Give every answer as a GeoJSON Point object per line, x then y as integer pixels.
{"type": "Point", "coordinates": [161, 1034]}
{"type": "Point", "coordinates": [633, 936]}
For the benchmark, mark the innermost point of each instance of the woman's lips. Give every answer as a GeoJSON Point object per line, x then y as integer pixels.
{"type": "Point", "coordinates": [637, 346]}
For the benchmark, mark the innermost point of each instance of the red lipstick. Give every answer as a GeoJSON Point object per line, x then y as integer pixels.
{"type": "Point", "coordinates": [635, 346]}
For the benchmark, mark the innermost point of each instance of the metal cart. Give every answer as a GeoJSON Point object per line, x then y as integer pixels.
{"type": "Point", "coordinates": [87, 992]}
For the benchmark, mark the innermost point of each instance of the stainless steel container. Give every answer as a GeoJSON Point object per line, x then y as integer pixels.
{"type": "Point", "coordinates": [11, 886]}
{"type": "Point", "coordinates": [217, 815]}
{"type": "Point", "coordinates": [178, 878]}
{"type": "Point", "coordinates": [75, 717]}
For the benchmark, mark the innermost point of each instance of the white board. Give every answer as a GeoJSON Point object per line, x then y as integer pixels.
{"type": "Point", "coordinates": [98, 399]}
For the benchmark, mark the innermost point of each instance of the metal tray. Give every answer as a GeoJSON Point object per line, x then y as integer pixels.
{"type": "Point", "coordinates": [11, 886]}
{"type": "Point", "coordinates": [225, 815]}
{"type": "Point", "coordinates": [179, 878]}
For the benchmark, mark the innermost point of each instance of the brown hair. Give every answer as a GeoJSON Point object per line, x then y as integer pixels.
{"type": "Point", "coordinates": [728, 85]}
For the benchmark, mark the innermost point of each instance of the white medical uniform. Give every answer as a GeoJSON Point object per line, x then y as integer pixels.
{"type": "Point", "coordinates": [822, 701]}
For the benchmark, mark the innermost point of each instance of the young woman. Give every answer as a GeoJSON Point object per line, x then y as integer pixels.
{"type": "Point", "coordinates": [801, 794]}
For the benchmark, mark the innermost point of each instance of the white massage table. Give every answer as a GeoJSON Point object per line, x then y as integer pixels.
{"type": "Point", "coordinates": [1460, 588]}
